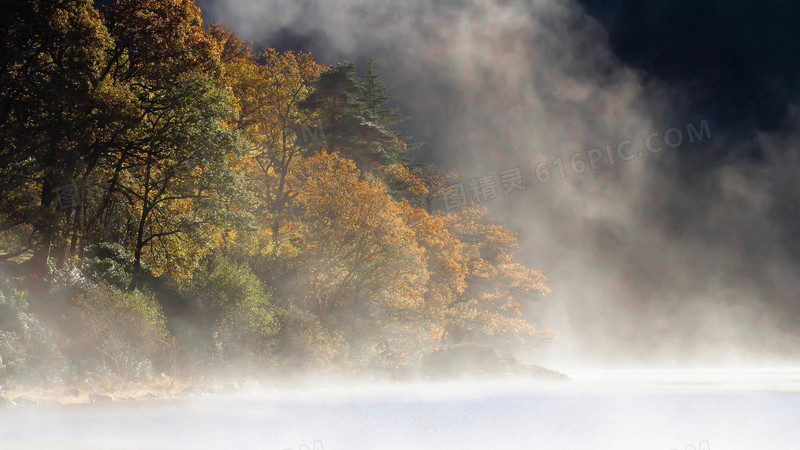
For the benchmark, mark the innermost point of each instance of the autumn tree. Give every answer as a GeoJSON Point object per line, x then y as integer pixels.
{"type": "Point", "coordinates": [269, 88]}
{"type": "Point", "coordinates": [496, 285]}
{"type": "Point", "coordinates": [78, 94]}
{"type": "Point", "coordinates": [446, 262]}
{"type": "Point", "coordinates": [363, 270]}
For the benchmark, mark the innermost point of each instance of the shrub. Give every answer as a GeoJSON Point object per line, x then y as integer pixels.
{"type": "Point", "coordinates": [243, 320]}
{"type": "Point", "coordinates": [306, 344]}
{"type": "Point", "coordinates": [121, 332]}
{"type": "Point", "coordinates": [110, 263]}
{"type": "Point", "coordinates": [28, 351]}
{"type": "Point", "coordinates": [66, 280]}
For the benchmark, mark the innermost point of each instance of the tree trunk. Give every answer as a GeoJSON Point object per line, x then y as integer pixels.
{"type": "Point", "coordinates": [37, 265]}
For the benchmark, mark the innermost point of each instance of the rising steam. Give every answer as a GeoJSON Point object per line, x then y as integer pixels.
{"type": "Point", "coordinates": [678, 256]}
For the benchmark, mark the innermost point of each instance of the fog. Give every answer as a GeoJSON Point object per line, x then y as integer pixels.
{"type": "Point", "coordinates": [592, 412]}
{"type": "Point", "coordinates": [683, 256]}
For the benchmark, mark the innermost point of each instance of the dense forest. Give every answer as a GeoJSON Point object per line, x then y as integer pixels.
{"type": "Point", "coordinates": [174, 201]}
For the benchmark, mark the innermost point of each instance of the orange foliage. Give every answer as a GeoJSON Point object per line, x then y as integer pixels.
{"type": "Point", "coordinates": [497, 286]}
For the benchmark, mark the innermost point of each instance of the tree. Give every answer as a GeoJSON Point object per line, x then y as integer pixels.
{"type": "Point", "coordinates": [350, 128]}
{"type": "Point", "coordinates": [496, 285]}
{"type": "Point", "coordinates": [374, 95]}
{"type": "Point", "coordinates": [179, 179]}
{"type": "Point", "coordinates": [57, 110]}
{"type": "Point", "coordinates": [79, 88]}
{"type": "Point", "coordinates": [156, 42]}
{"type": "Point", "coordinates": [268, 89]}
{"type": "Point", "coordinates": [446, 262]}
{"type": "Point", "coordinates": [172, 169]}
{"type": "Point", "coordinates": [362, 269]}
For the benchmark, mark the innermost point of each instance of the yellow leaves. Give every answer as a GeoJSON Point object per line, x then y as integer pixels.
{"type": "Point", "coordinates": [228, 43]}
{"type": "Point", "coordinates": [358, 249]}
{"type": "Point", "coordinates": [400, 178]}
{"type": "Point", "coordinates": [60, 20]}
{"type": "Point", "coordinates": [268, 86]}
{"type": "Point", "coordinates": [356, 242]}
{"type": "Point", "coordinates": [498, 286]}
{"type": "Point", "coordinates": [165, 38]}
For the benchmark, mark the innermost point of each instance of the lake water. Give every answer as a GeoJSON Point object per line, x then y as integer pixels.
{"type": "Point", "coordinates": [723, 410]}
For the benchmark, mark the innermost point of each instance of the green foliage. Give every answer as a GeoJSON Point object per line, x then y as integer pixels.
{"type": "Point", "coordinates": [306, 344]}
{"type": "Point", "coordinates": [355, 126]}
{"type": "Point", "coordinates": [240, 312]}
{"type": "Point", "coordinates": [28, 350]}
{"type": "Point", "coordinates": [374, 97]}
{"type": "Point", "coordinates": [120, 332]}
{"type": "Point", "coordinates": [109, 263]}
{"type": "Point", "coordinates": [180, 179]}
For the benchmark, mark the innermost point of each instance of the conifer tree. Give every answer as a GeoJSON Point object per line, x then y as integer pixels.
{"type": "Point", "coordinates": [350, 128]}
{"type": "Point", "coordinates": [374, 95]}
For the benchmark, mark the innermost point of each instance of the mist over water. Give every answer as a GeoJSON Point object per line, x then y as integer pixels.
{"type": "Point", "coordinates": [596, 411]}
{"type": "Point", "coordinates": [683, 256]}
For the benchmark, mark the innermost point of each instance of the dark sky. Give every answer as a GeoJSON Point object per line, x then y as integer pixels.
{"type": "Point", "coordinates": [739, 61]}
{"type": "Point", "coordinates": [691, 252]}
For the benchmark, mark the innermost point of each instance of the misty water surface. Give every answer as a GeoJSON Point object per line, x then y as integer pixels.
{"type": "Point", "coordinates": [625, 410]}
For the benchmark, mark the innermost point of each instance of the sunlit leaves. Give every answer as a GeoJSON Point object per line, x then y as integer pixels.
{"type": "Point", "coordinates": [187, 146]}
{"type": "Point", "coordinates": [496, 285]}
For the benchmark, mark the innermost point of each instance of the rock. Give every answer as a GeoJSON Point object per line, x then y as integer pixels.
{"type": "Point", "coordinates": [468, 360]}
{"type": "Point", "coordinates": [535, 371]}
{"type": "Point", "coordinates": [25, 401]}
{"type": "Point", "coordinates": [481, 361]}
{"type": "Point", "coordinates": [403, 373]}
{"type": "Point", "coordinates": [73, 392]}
{"type": "Point", "coordinates": [98, 398]}
{"type": "Point", "coordinates": [5, 403]}
{"type": "Point", "coordinates": [150, 396]}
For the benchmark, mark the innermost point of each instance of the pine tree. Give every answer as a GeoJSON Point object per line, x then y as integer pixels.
{"type": "Point", "coordinates": [335, 100]}
{"type": "Point", "coordinates": [348, 122]}
{"type": "Point", "coordinates": [374, 95]}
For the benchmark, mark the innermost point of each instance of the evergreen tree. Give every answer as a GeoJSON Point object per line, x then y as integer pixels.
{"type": "Point", "coordinates": [348, 125]}
{"type": "Point", "coordinates": [374, 95]}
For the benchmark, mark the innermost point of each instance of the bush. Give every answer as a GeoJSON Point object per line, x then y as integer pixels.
{"type": "Point", "coordinates": [66, 280]}
{"type": "Point", "coordinates": [28, 351]}
{"type": "Point", "coordinates": [306, 344]}
{"type": "Point", "coordinates": [243, 320]}
{"type": "Point", "coordinates": [110, 263]}
{"type": "Point", "coordinates": [120, 332]}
